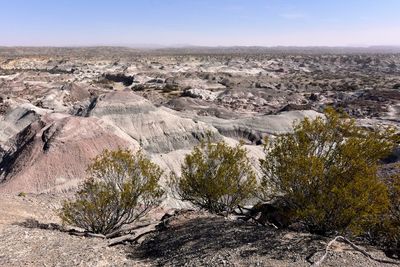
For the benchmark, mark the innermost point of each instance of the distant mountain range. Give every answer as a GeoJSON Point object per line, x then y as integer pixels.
{"type": "Point", "coordinates": [188, 49]}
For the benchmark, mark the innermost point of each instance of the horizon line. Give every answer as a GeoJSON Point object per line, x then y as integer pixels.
{"type": "Point", "coordinates": [157, 46]}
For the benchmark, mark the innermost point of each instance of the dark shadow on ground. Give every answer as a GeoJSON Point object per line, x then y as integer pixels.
{"type": "Point", "coordinates": [196, 238]}
{"type": "Point", "coordinates": [35, 224]}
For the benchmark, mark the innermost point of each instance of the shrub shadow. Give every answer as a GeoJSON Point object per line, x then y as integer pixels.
{"type": "Point", "coordinates": [196, 238]}
{"type": "Point", "coordinates": [35, 224]}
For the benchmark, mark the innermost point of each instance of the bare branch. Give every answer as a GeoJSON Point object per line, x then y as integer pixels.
{"type": "Point", "coordinates": [355, 247]}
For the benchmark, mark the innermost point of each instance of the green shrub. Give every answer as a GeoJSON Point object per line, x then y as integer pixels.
{"type": "Point", "coordinates": [121, 188]}
{"type": "Point", "coordinates": [216, 177]}
{"type": "Point", "coordinates": [386, 232]}
{"type": "Point", "coordinates": [326, 172]}
{"type": "Point", "coordinates": [392, 223]}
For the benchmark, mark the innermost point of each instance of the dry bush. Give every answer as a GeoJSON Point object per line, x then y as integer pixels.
{"type": "Point", "coordinates": [216, 177]}
{"type": "Point", "coordinates": [325, 171]}
{"type": "Point", "coordinates": [391, 227]}
{"type": "Point", "coordinates": [122, 187]}
{"type": "Point", "coordinates": [386, 233]}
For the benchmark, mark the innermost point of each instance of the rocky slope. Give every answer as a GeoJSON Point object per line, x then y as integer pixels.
{"type": "Point", "coordinates": [60, 108]}
{"type": "Point", "coordinates": [44, 150]}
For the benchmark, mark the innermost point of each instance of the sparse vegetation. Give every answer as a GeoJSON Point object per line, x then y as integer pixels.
{"type": "Point", "coordinates": [216, 177]}
{"type": "Point", "coordinates": [386, 232]}
{"type": "Point", "coordinates": [138, 87]}
{"type": "Point", "coordinates": [392, 221]}
{"type": "Point", "coordinates": [326, 173]}
{"type": "Point", "coordinates": [164, 100]}
{"type": "Point", "coordinates": [121, 188]}
{"type": "Point", "coordinates": [170, 88]}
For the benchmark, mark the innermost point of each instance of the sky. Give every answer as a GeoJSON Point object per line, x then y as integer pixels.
{"type": "Point", "coordinates": [199, 22]}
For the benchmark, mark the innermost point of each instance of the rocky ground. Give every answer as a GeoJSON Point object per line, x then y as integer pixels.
{"type": "Point", "coordinates": [22, 245]}
{"type": "Point", "coordinates": [192, 239]}
{"type": "Point", "coordinates": [60, 107]}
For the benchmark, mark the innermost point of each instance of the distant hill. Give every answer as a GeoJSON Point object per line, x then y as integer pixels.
{"type": "Point", "coordinates": [118, 51]}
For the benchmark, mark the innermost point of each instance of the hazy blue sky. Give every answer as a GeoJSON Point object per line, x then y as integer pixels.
{"type": "Point", "coordinates": [200, 22]}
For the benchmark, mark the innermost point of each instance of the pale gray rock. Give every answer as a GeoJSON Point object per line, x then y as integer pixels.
{"type": "Point", "coordinates": [157, 130]}
{"type": "Point", "coordinates": [201, 93]}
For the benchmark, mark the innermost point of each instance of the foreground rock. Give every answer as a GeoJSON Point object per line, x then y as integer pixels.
{"type": "Point", "coordinates": [191, 239]}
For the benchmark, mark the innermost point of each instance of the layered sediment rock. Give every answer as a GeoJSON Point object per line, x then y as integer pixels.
{"type": "Point", "coordinates": [156, 129]}
{"type": "Point", "coordinates": [59, 109]}
{"type": "Point", "coordinates": [53, 153]}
